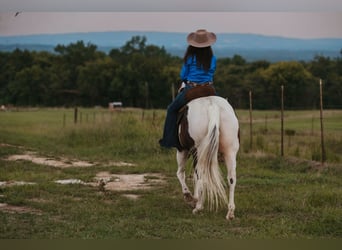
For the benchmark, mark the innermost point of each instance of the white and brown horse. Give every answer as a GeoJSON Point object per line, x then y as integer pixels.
{"type": "Point", "coordinates": [209, 127]}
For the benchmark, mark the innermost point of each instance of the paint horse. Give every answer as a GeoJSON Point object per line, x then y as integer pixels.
{"type": "Point", "coordinates": [209, 127]}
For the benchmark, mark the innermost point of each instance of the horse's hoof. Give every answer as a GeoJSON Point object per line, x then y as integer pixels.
{"type": "Point", "coordinates": [188, 197]}
{"type": "Point", "coordinates": [230, 216]}
{"type": "Point", "coordinates": [190, 200]}
{"type": "Point", "coordinates": [196, 210]}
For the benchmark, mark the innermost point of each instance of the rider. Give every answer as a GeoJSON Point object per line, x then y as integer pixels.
{"type": "Point", "coordinates": [198, 69]}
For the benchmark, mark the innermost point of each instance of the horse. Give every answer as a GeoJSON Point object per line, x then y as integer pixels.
{"type": "Point", "coordinates": [210, 127]}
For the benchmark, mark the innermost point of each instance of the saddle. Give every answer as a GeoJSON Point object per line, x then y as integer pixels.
{"type": "Point", "coordinates": [185, 140]}
{"type": "Point", "coordinates": [200, 90]}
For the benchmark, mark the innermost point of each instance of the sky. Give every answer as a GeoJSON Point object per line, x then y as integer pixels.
{"type": "Point", "coordinates": [296, 18]}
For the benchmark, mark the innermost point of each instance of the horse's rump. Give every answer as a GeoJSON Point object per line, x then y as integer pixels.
{"type": "Point", "coordinates": [196, 111]}
{"type": "Point", "coordinates": [211, 124]}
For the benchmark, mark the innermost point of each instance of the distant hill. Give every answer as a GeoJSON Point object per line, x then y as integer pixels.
{"type": "Point", "coordinates": [250, 46]}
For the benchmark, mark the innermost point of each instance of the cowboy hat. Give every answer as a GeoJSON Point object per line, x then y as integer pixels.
{"type": "Point", "coordinates": [201, 38]}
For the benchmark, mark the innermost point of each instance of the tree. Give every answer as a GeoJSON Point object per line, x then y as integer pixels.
{"type": "Point", "coordinates": [136, 45]}
{"type": "Point", "coordinates": [29, 86]}
{"type": "Point", "coordinates": [93, 82]}
{"type": "Point", "coordinates": [70, 59]}
{"type": "Point", "coordinates": [143, 75]}
{"type": "Point", "coordinates": [229, 80]}
{"type": "Point", "coordinates": [140, 78]}
{"type": "Point", "coordinates": [12, 63]}
{"type": "Point", "coordinates": [297, 81]}
{"type": "Point", "coordinates": [330, 71]}
{"type": "Point", "coordinates": [238, 60]}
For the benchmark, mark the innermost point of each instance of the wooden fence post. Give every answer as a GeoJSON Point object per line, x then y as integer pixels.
{"type": "Point", "coordinates": [323, 156]}
{"type": "Point", "coordinates": [282, 122]}
{"type": "Point", "coordinates": [75, 115]}
{"type": "Point", "coordinates": [154, 117]}
{"type": "Point", "coordinates": [64, 120]}
{"type": "Point", "coordinates": [266, 128]}
{"type": "Point", "coordinates": [250, 121]}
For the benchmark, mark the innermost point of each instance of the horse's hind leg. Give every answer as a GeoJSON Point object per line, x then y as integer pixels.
{"type": "Point", "coordinates": [181, 161]}
{"type": "Point", "coordinates": [198, 193]}
{"type": "Point", "coordinates": [230, 160]}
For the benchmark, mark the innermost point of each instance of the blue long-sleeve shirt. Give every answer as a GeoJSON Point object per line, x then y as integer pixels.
{"type": "Point", "coordinates": [192, 73]}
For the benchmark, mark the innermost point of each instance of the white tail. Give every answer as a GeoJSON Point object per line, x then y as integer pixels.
{"type": "Point", "coordinates": [211, 183]}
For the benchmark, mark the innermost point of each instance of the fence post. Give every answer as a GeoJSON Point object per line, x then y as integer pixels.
{"type": "Point", "coordinates": [266, 128]}
{"type": "Point", "coordinates": [64, 120]}
{"type": "Point", "coordinates": [282, 122]}
{"type": "Point", "coordinates": [323, 156]}
{"type": "Point", "coordinates": [75, 115]}
{"type": "Point", "coordinates": [154, 117]}
{"type": "Point", "coordinates": [250, 121]}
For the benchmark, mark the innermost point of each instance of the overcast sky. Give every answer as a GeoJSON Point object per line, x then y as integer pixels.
{"type": "Point", "coordinates": [171, 5]}
{"type": "Point", "coordinates": [296, 18]}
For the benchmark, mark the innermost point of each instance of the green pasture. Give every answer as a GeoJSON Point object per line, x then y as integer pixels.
{"type": "Point", "coordinates": [288, 197]}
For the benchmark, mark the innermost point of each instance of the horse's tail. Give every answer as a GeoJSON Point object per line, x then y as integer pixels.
{"type": "Point", "coordinates": [211, 183]}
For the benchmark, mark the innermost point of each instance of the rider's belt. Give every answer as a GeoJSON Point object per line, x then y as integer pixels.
{"type": "Point", "coordinates": [193, 84]}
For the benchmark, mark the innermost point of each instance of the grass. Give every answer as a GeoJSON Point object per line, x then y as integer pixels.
{"type": "Point", "coordinates": [305, 126]}
{"type": "Point", "coordinates": [276, 198]}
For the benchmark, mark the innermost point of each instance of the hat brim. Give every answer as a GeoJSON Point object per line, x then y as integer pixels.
{"type": "Point", "coordinates": [211, 39]}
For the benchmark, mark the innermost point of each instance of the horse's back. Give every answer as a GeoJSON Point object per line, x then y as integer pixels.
{"type": "Point", "coordinates": [199, 106]}
{"type": "Point", "coordinates": [200, 111]}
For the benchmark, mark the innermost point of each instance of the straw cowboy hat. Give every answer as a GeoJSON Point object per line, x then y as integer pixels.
{"type": "Point", "coordinates": [201, 38]}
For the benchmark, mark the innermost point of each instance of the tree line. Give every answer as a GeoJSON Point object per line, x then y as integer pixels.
{"type": "Point", "coordinates": [141, 75]}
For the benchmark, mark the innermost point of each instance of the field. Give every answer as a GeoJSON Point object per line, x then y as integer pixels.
{"type": "Point", "coordinates": [106, 177]}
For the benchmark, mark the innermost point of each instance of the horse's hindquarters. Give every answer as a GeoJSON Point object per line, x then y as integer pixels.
{"type": "Point", "coordinates": [198, 115]}
{"type": "Point", "coordinates": [213, 125]}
